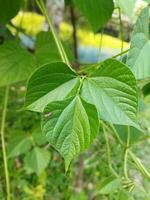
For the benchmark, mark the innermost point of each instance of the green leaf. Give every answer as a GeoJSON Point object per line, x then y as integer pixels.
{"type": "Point", "coordinates": [135, 134]}
{"type": "Point", "coordinates": [37, 160]}
{"type": "Point", "coordinates": [146, 89]}
{"type": "Point", "coordinates": [19, 144]}
{"type": "Point", "coordinates": [46, 49]}
{"type": "Point", "coordinates": [98, 12]}
{"type": "Point", "coordinates": [138, 58]}
{"type": "Point", "coordinates": [127, 7]}
{"type": "Point", "coordinates": [109, 185]}
{"type": "Point", "coordinates": [142, 23]}
{"type": "Point", "coordinates": [38, 135]}
{"type": "Point", "coordinates": [70, 126]}
{"type": "Point", "coordinates": [123, 195]}
{"type": "Point", "coordinates": [148, 1]}
{"type": "Point", "coordinates": [8, 9]}
{"type": "Point", "coordinates": [16, 64]}
{"type": "Point", "coordinates": [112, 89]}
{"type": "Point", "coordinates": [52, 82]}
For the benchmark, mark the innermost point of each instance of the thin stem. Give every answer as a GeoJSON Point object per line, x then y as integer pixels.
{"type": "Point", "coordinates": [4, 144]}
{"type": "Point", "coordinates": [126, 155]}
{"type": "Point", "coordinates": [74, 35]}
{"type": "Point", "coordinates": [120, 54]}
{"type": "Point", "coordinates": [139, 165]}
{"type": "Point", "coordinates": [60, 48]}
{"type": "Point", "coordinates": [101, 43]}
{"type": "Point", "coordinates": [121, 30]}
{"type": "Point", "coordinates": [116, 134]}
{"type": "Point", "coordinates": [109, 153]}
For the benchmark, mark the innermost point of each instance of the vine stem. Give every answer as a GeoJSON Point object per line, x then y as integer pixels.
{"type": "Point", "coordinates": [60, 48]}
{"type": "Point", "coordinates": [109, 153]}
{"type": "Point", "coordinates": [121, 30]}
{"type": "Point", "coordinates": [126, 155]}
{"type": "Point", "coordinates": [4, 144]}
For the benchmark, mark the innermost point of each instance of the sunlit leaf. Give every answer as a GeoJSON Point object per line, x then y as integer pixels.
{"type": "Point", "coordinates": [70, 126]}
{"type": "Point", "coordinates": [49, 83]}
{"type": "Point", "coordinates": [112, 89]}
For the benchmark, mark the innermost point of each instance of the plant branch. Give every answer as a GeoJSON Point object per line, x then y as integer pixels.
{"type": "Point", "coordinates": [60, 48]}
{"type": "Point", "coordinates": [126, 155]}
{"type": "Point", "coordinates": [109, 153]}
{"type": "Point", "coordinates": [4, 144]}
{"type": "Point", "coordinates": [121, 30]}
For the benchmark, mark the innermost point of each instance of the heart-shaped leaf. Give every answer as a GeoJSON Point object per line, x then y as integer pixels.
{"type": "Point", "coordinates": [49, 83]}
{"type": "Point", "coordinates": [37, 160]}
{"type": "Point", "coordinates": [16, 64]}
{"type": "Point", "coordinates": [70, 126]}
{"type": "Point", "coordinates": [112, 89]}
{"type": "Point", "coordinates": [98, 12]}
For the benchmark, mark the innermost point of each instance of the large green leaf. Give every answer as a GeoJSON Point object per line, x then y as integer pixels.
{"type": "Point", "coordinates": [127, 7]}
{"type": "Point", "coordinates": [37, 160]}
{"type": "Point", "coordinates": [138, 58]}
{"type": "Point", "coordinates": [8, 9]}
{"type": "Point", "coordinates": [49, 83]}
{"type": "Point", "coordinates": [112, 89]}
{"type": "Point", "coordinates": [46, 49]}
{"type": "Point", "coordinates": [16, 64]}
{"type": "Point", "coordinates": [98, 12]}
{"type": "Point", "coordinates": [70, 126]}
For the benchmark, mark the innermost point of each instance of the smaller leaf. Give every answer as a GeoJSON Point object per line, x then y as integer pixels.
{"type": "Point", "coordinates": [135, 134]}
{"type": "Point", "coordinates": [38, 136]}
{"type": "Point", "coordinates": [109, 185]}
{"type": "Point", "coordinates": [46, 49]}
{"type": "Point", "coordinates": [98, 12]}
{"type": "Point", "coordinates": [19, 144]}
{"type": "Point", "coordinates": [16, 64]}
{"type": "Point", "coordinates": [37, 160]}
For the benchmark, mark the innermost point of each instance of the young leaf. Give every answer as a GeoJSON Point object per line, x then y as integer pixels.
{"type": "Point", "coordinates": [19, 144]}
{"type": "Point", "coordinates": [49, 83]}
{"type": "Point", "coordinates": [138, 58]}
{"type": "Point", "coordinates": [70, 126]}
{"type": "Point", "coordinates": [37, 160]}
{"type": "Point", "coordinates": [16, 64]}
{"type": "Point", "coordinates": [98, 12]}
{"type": "Point", "coordinates": [8, 9]}
{"type": "Point", "coordinates": [46, 49]}
{"type": "Point", "coordinates": [127, 6]}
{"type": "Point", "coordinates": [112, 89]}
{"type": "Point", "coordinates": [109, 185]}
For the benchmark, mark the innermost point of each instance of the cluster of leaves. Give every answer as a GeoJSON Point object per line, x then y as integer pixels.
{"type": "Point", "coordinates": [73, 104]}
